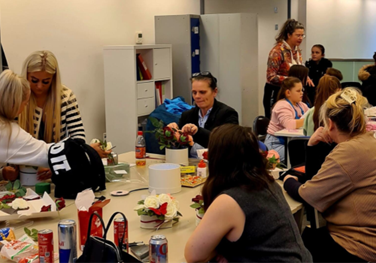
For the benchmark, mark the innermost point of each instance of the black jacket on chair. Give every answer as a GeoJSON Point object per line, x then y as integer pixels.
{"type": "Point", "coordinates": [220, 114]}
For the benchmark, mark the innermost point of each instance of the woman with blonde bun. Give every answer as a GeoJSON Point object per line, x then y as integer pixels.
{"type": "Point", "coordinates": [344, 189]}
{"type": "Point", "coordinates": [16, 145]}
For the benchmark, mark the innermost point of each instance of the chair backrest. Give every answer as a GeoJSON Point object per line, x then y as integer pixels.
{"type": "Point", "coordinates": [297, 150]}
{"type": "Point", "coordinates": [351, 84]}
{"type": "Point", "coordinates": [260, 125]}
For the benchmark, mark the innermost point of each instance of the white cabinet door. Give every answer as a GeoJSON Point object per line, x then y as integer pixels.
{"type": "Point", "coordinates": [145, 90]}
{"type": "Point", "coordinates": [162, 63]}
{"type": "Point", "coordinates": [145, 106]}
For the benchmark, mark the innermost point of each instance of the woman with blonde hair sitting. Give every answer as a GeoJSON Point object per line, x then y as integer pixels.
{"type": "Point", "coordinates": [16, 145]}
{"type": "Point", "coordinates": [52, 113]}
{"type": "Point", "coordinates": [344, 189]}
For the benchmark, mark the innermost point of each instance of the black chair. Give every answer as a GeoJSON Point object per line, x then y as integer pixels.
{"type": "Point", "coordinates": [260, 127]}
{"type": "Point", "coordinates": [351, 84]}
{"type": "Point", "coordinates": [297, 150]}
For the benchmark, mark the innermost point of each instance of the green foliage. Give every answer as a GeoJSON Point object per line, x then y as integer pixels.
{"type": "Point", "coordinates": [3, 205]}
{"type": "Point", "coordinates": [195, 205]}
{"type": "Point", "coordinates": [33, 233]}
{"type": "Point", "coordinates": [16, 185]}
{"type": "Point", "coordinates": [141, 202]}
{"type": "Point", "coordinates": [9, 186]}
{"type": "Point", "coordinates": [201, 210]}
{"type": "Point", "coordinates": [16, 188]}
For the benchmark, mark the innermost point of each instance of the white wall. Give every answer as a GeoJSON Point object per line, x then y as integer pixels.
{"type": "Point", "coordinates": [347, 28]}
{"type": "Point", "coordinates": [267, 19]}
{"type": "Point", "coordinates": [76, 31]}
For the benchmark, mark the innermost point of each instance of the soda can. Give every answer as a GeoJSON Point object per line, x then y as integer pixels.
{"type": "Point", "coordinates": [158, 249]}
{"type": "Point", "coordinates": [46, 246]}
{"type": "Point", "coordinates": [67, 234]}
{"type": "Point", "coordinates": [119, 227]}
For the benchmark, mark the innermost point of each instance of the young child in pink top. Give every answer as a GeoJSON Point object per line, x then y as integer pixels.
{"type": "Point", "coordinates": [286, 114]}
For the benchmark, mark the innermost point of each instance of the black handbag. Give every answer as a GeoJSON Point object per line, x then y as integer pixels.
{"type": "Point", "coordinates": [99, 249]}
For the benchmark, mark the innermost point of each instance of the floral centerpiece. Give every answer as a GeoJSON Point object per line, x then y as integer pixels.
{"type": "Point", "coordinates": [198, 205]}
{"type": "Point", "coordinates": [170, 137]}
{"type": "Point", "coordinates": [158, 211]}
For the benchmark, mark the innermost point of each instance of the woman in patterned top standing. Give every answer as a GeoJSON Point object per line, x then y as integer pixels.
{"type": "Point", "coordinates": [284, 54]}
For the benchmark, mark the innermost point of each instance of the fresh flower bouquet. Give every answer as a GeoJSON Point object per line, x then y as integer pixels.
{"type": "Point", "coordinates": [163, 207]}
{"type": "Point", "coordinates": [273, 160]}
{"type": "Point", "coordinates": [198, 204]}
{"type": "Point", "coordinates": [169, 137]}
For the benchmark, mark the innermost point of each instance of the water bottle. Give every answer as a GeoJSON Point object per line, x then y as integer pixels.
{"type": "Point", "coordinates": [140, 149]}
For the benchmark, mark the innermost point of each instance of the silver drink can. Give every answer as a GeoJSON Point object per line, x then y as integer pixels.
{"type": "Point", "coordinates": [67, 237]}
{"type": "Point", "coordinates": [158, 249]}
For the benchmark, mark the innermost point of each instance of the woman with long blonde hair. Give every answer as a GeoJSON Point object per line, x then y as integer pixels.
{"type": "Point", "coordinates": [16, 145]}
{"type": "Point", "coordinates": [52, 113]}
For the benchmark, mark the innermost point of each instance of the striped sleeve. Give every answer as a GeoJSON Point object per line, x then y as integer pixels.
{"type": "Point", "coordinates": [71, 122]}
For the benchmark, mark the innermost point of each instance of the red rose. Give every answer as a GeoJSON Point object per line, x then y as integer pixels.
{"type": "Point", "coordinates": [205, 155]}
{"type": "Point", "coordinates": [168, 132]}
{"type": "Point", "coordinates": [60, 203]}
{"type": "Point", "coordinates": [197, 198]}
{"type": "Point", "coordinates": [183, 139]}
{"type": "Point", "coordinates": [46, 208]}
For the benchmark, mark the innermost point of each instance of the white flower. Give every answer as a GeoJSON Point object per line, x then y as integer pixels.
{"type": "Point", "coordinates": [171, 211]}
{"type": "Point", "coordinates": [163, 198]}
{"type": "Point", "coordinates": [152, 201]}
{"type": "Point", "coordinates": [139, 207]}
{"type": "Point", "coordinates": [19, 203]}
{"type": "Point", "coordinates": [176, 204]}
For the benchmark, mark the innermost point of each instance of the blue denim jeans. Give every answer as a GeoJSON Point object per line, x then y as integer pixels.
{"type": "Point", "coordinates": [274, 143]}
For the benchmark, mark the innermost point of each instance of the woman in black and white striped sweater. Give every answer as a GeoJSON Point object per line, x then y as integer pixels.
{"type": "Point", "coordinates": [52, 113]}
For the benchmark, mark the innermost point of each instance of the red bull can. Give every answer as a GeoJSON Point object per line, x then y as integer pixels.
{"type": "Point", "coordinates": [46, 246]}
{"type": "Point", "coordinates": [158, 249]}
{"type": "Point", "coordinates": [120, 227]}
{"type": "Point", "coordinates": [67, 234]}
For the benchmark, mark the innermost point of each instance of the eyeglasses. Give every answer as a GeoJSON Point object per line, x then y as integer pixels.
{"type": "Point", "coordinates": [300, 36]}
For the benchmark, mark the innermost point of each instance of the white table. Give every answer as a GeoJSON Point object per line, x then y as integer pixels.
{"type": "Point", "coordinates": [289, 134]}
{"type": "Point", "coordinates": [177, 236]}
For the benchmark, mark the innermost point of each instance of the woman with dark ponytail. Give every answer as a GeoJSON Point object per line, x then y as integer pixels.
{"type": "Point", "coordinates": [284, 54]}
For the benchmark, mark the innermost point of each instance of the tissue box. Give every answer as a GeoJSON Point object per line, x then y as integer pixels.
{"type": "Point", "coordinates": [116, 172]}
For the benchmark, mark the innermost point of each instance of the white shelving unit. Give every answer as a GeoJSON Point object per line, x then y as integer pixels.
{"type": "Point", "coordinates": [129, 101]}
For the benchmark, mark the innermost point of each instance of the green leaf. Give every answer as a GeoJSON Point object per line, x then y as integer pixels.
{"type": "Point", "coordinates": [9, 186]}
{"type": "Point", "coordinates": [195, 205]}
{"type": "Point", "coordinates": [141, 202]}
{"type": "Point", "coordinates": [162, 147]}
{"type": "Point", "coordinates": [200, 202]}
{"type": "Point", "coordinates": [150, 213]}
{"type": "Point", "coordinates": [34, 231]}
{"type": "Point", "coordinates": [27, 231]}
{"type": "Point", "coordinates": [141, 212]}
{"type": "Point", "coordinates": [161, 217]}
{"type": "Point", "coordinates": [155, 122]}
{"type": "Point", "coordinates": [18, 194]}
{"type": "Point", "coordinates": [22, 192]}
{"type": "Point", "coordinates": [201, 211]}
{"type": "Point", "coordinates": [179, 214]}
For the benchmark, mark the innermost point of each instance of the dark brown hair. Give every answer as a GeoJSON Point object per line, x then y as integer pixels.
{"type": "Point", "coordinates": [288, 27]}
{"type": "Point", "coordinates": [374, 57]}
{"type": "Point", "coordinates": [287, 84]}
{"type": "Point", "coordinates": [327, 86]}
{"type": "Point", "coordinates": [301, 72]}
{"type": "Point", "coordinates": [321, 47]}
{"type": "Point", "coordinates": [335, 73]}
{"type": "Point", "coordinates": [234, 161]}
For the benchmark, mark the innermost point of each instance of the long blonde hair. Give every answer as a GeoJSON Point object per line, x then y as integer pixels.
{"type": "Point", "coordinates": [44, 61]}
{"type": "Point", "coordinates": [14, 90]}
{"type": "Point", "coordinates": [346, 112]}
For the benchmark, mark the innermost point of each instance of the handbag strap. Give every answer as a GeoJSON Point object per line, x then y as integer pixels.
{"type": "Point", "coordinates": [109, 225]}
{"type": "Point", "coordinates": [102, 223]}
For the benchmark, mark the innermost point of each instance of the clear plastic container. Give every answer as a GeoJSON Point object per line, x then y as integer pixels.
{"type": "Point", "coordinates": [140, 149]}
